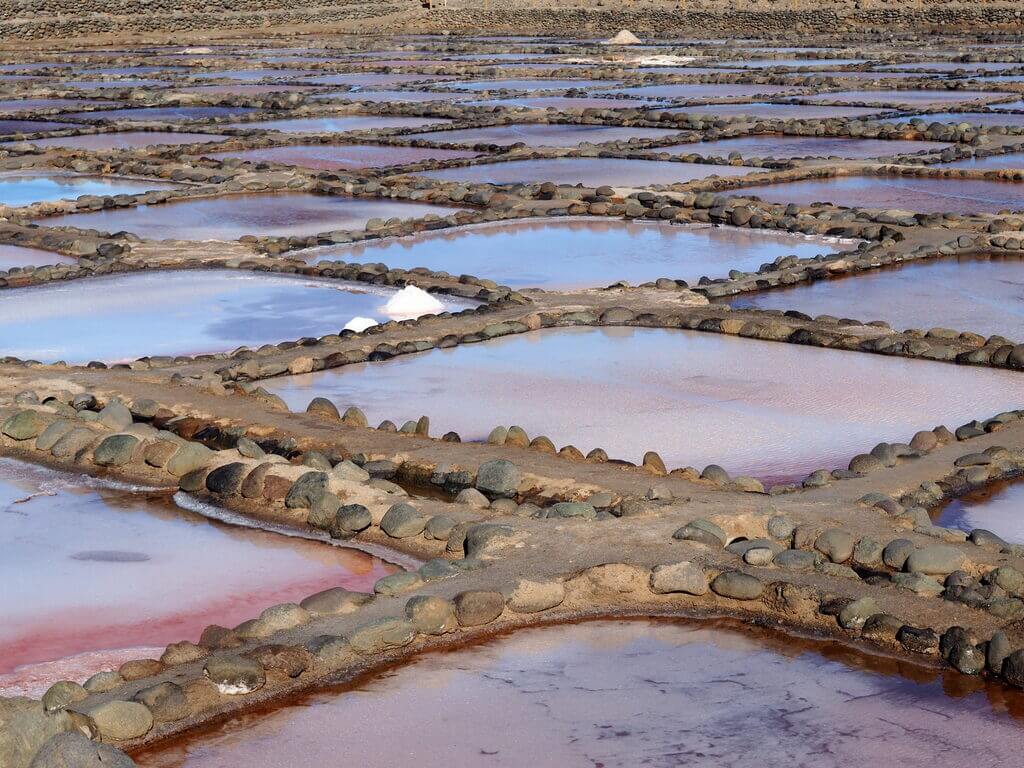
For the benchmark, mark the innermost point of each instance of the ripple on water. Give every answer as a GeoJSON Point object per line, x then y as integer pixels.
{"type": "Point", "coordinates": [617, 693]}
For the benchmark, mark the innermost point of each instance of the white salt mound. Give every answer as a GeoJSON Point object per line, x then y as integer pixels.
{"type": "Point", "coordinates": [411, 302]}
{"type": "Point", "coordinates": [625, 37]}
{"type": "Point", "coordinates": [359, 324]}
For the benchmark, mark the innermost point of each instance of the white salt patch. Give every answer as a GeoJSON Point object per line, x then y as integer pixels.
{"type": "Point", "coordinates": [624, 37]}
{"type": "Point", "coordinates": [234, 690]}
{"type": "Point", "coordinates": [34, 679]}
{"type": "Point", "coordinates": [359, 324]}
{"type": "Point", "coordinates": [411, 302]}
{"type": "Point", "coordinates": [663, 60]}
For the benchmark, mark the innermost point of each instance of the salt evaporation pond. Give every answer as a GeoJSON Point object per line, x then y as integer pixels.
{"type": "Point", "coordinates": [32, 126]}
{"type": "Point", "coordinates": [92, 574]}
{"type": "Point", "coordinates": [702, 91]}
{"type": "Point", "coordinates": [388, 96]}
{"type": "Point", "coordinates": [543, 135]}
{"type": "Point", "coordinates": [983, 294]}
{"type": "Point", "coordinates": [1009, 160]}
{"type": "Point", "coordinates": [25, 187]}
{"type": "Point", "coordinates": [591, 172]}
{"type": "Point", "coordinates": [806, 146]}
{"type": "Point", "coordinates": [338, 124]}
{"type": "Point", "coordinates": [371, 79]}
{"type": "Point", "coordinates": [775, 411]}
{"type": "Point", "coordinates": [902, 193]}
{"type": "Point", "coordinates": [343, 156]}
{"type": "Point", "coordinates": [995, 508]}
{"type": "Point", "coordinates": [279, 214]}
{"type": "Point", "coordinates": [779, 111]}
{"type": "Point", "coordinates": [916, 97]}
{"type": "Point", "coordinates": [971, 118]}
{"type": "Point", "coordinates": [629, 693]}
{"type": "Point", "coordinates": [12, 256]}
{"type": "Point", "coordinates": [166, 114]}
{"type": "Point", "coordinates": [562, 103]}
{"type": "Point", "coordinates": [181, 312]}
{"type": "Point", "coordinates": [128, 140]}
{"type": "Point", "coordinates": [582, 252]}
{"type": "Point", "coordinates": [522, 85]}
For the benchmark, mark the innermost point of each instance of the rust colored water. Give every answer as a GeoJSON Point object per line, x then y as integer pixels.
{"type": "Point", "coordinates": [591, 172]}
{"type": "Point", "coordinates": [629, 693]}
{"type": "Point", "coordinates": [582, 253]}
{"type": "Point", "coordinates": [776, 411]}
{"type": "Point", "coordinates": [902, 193]}
{"type": "Point", "coordinates": [983, 294]}
{"type": "Point", "coordinates": [543, 135]}
{"type": "Point", "coordinates": [281, 214]}
{"type": "Point", "coordinates": [128, 140]}
{"type": "Point", "coordinates": [343, 156]}
{"type": "Point", "coordinates": [806, 146]}
{"type": "Point", "coordinates": [88, 568]}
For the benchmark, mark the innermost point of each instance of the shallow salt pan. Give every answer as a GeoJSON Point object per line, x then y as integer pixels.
{"type": "Point", "coordinates": [582, 252]}
{"type": "Point", "coordinates": [616, 693]}
{"type": "Point", "coordinates": [776, 411]}
{"type": "Point", "coordinates": [280, 214]}
{"type": "Point", "coordinates": [26, 187]}
{"type": "Point", "coordinates": [182, 312]}
{"type": "Point", "coordinates": [66, 614]}
{"type": "Point", "coordinates": [983, 294]}
{"type": "Point", "coordinates": [996, 509]}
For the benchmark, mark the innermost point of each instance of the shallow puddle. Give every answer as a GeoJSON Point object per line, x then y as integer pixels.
{"type": "Point", "coordinates": [90, 569]}
{"type": "Point", "coordinates": [543, 134]}
{"type": "Point", "coordinates": [983, 294]}
{"type": "Point", "coordinates": [343, 156]}
{"type": "Point", "coordinates": [628, 693]}
{"type": "Point", "coordinates": [591, 172]}
{"type": "Point", "coordinates": [19, 188]}
{"type": "Point", "coordinates": [899, 193]}
{"type": "Point", "coordinates": [696, 398]}
{"type": "Point", "coordinates": [182, 312]}
{"type": "Point", "coordinates": [12, 256]}
{"type": "Point", "coordinates": [280, 214]}
{"type": "Point", "coordinates": [338, 124]}
{"type": "Point", "coordinates": [168, 114]}
{"type": "Point", "coordinates": [566, 254]}
{"type": "Point", "coordinates": [128, 140]}
{"type": "Point", "coordinates": [806, 146]}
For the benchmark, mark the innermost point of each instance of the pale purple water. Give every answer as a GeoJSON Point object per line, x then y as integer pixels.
{"type": "Point", "coordinates": [364, 79]}
{"type": "Point", "coordinates": [805, 146]}
{"type": "Point", "coordinates": [779, 111]}
{"type": "Point", "coordinates": [523, 85]}
{"type": "Point", "coordinates": [281, 214]}
{"type": "Point", "coordinates": [983, 294]}
{"type": "Point", "coordinates": [901, 193]}
{"type": "Point", "coordinates": [591, 172]}
{"type": "Point", "coordinates": [14, 106]}
{"type": "Point", "coordinates": [973, 118]}
{"type": "Point", "coordinates": [544, 135]}
{"type": "Point", "coordinates": [564, 102]}
{"type": "Point", "coordinates": [21, 256]}
{"type": "Point", "coordinates": [179, 312]}
{"type": "Point", "coordinates": [661, 694]}
{"type": "Point", "coordinates": [582, 253]}
{"type": "Point", "coordinates": [118, 549]}
{"type": "Point", "coordinates": [777, 411]}
{"type": "Point", "coordinates": [911, 97]}
{"type": "Point", "coordinates": [388, 96]}
{"type": "Point", "coordinates": [338, 124]}
{"type": "Point", "coordinates": [1008, 160]}
{"type": "Point", "coordinates": [343, 156]}
{"type": "Point", "coordinates": [250, 75]}
{"type": "Point", "coordinates": [167, 114]}
{"type": "Point", "coordinates": [25, 187]}
{"type": "Point", "coordinates": [32, 126]}
{"type": "Point", "coordinates": [702, 91]}
{"type": "Point", "coordinates": [802, 63]}
{"type": "Point", "coordinates": [128, 140]}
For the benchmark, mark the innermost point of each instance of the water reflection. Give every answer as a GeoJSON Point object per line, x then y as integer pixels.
{"type": "Point", "coordinates": [618, 693]}
{"type": "Point", "coordinates": [26, 187]}
{"type": "Point", "coordinates": [167, 575]}
{"type": "Point", "coordinates": [591, 172]}
{"type": "Point", "coordinates": [181, 312]}
{"type": "Point", "coordinates": [281, 214]}
{"type": "Point", "coordinates": [582, 253]}
{"type": "Point", "coordinates": [542, 135]}
{"type": "Point", "coordinates": [695, 398]}
{"type": "Point", "coordinates": [995, 508]}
